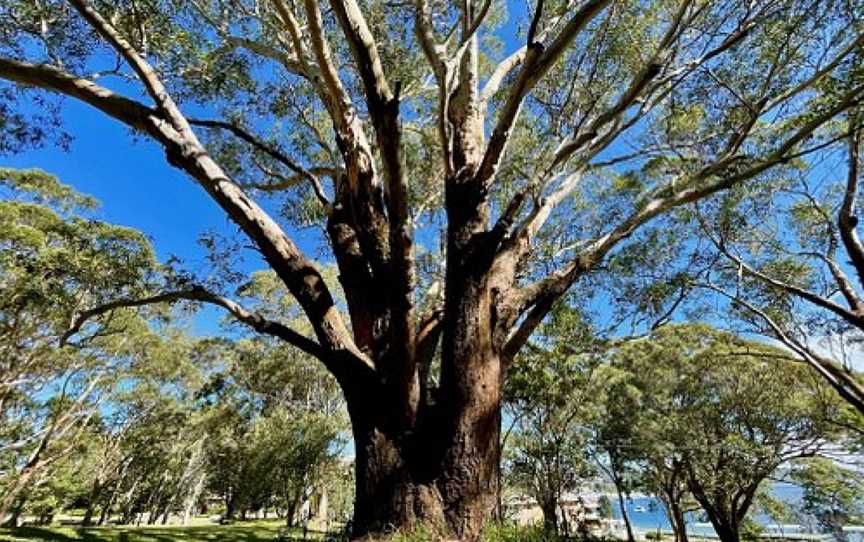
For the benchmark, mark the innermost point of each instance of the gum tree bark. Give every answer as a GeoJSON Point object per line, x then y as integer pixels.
{"type": "Point", "coordinates": [425, 454]}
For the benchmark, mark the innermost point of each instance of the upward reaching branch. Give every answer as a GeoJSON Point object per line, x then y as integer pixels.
{"type": "Point", "coordinates": [537, 62]}
{"type": "Point", "coordinates": [383, 107]}
{"type": "Point", "coordinates": [145, 72]}
{"type": "Point", "coordinates": [848, 222]}
{"type": "Point", "coordinates": [365, 51]}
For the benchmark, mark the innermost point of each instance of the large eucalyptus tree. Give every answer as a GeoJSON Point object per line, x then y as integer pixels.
{"type": "Point", "coordinates": [525, 147]}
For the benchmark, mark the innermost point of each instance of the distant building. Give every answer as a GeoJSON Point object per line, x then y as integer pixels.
{"type": "Point", "coordinates": [578, 511]}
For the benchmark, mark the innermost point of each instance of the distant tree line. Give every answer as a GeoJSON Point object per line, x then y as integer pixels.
{"type": "Point", "coordinates": [136, 420]}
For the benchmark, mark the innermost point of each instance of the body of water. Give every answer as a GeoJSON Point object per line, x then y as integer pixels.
{"type": "Point", "coordinates": [649, 514]}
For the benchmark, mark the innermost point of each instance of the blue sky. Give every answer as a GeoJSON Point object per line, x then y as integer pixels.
{"type": "Point", "coordinates": [138, 188]}
{"type": "Point", "coordinates": [133, 181]}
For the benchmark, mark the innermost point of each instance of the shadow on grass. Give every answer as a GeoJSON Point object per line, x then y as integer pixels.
{"type": "Point", "coordinates": [216, 533]}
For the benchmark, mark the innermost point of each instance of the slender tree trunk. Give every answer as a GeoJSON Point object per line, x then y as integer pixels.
{"type": "Point", "coordinates": [95, 492]}
{"type": "Point", "coordinates": [129, 503]}
{"type": "Point", "coordinates": [726, 531]}
{"type": "Point", "coordinates": [87, 520]}
{"type": "Point", "coordinates": [678, 521]}
{"type": "Point", "coordinates": [230, 503]}
{"type": "Point", "coordinates": [624, 515]}
{"type": "Point", "coordinates": [671, 498]}
{"type": "Point", "coordinates": [192, 498]}
{"type": "Point", "coordinates": [549, 506]}
{"type": "Point", "coordinates": [14, 515]}
{"type": "Point", "coordinates": [17, 488]}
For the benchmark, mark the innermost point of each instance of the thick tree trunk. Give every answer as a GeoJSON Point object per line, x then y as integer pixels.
{"type": "Point", "coordinates": [442, 472]}
{"type": "Point", "coordinates": [396, 489]}
{"type": "Point", "coordinates": [722, 519]}
{"type": "Point", "coordinates": [229, 508]}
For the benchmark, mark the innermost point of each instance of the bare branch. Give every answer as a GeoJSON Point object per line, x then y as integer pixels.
{"type": "Point", "coordinates": [475, 25]}
{"type": "Point", "coordinates": [289, 19]}
{"type": "Point", "coordinates": [289, 181]}
{"type": "Point", "coordinates": [435, 52]}
{"type": "Point", "coordinates": [535, 22]}
{"type": "Point", "coordinates": [383, 106]}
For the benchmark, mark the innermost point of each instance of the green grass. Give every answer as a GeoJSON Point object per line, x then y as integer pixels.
{"type": "Point", "coordinates": [251, 531]}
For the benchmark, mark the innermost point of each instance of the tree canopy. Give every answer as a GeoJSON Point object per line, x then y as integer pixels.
{"type": "Point", "coordinates": [469, 165]}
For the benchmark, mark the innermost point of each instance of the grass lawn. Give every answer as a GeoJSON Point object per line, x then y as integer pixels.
{"type": "Point", "coordinates": [251, 531]}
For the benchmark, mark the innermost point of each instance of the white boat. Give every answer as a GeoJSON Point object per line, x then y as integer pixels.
{"type": "Point", "coordinates": [640, 509]}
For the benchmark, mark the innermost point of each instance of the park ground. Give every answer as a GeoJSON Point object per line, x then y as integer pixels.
{"type": "Point", "coordinates": [256, 531]}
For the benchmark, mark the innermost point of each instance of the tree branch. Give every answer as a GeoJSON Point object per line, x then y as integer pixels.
{"type": "Point", "coordinates": [270, 151]}
{"type": "Point", "coordinates": [851, 317]}
{"type": "Point", "coordinates": [185, 152]}
{"type": "Point", "coordinates": [847, 221]}
{"type": "Point", "coordinates": [844, 383]}
{"type": "Point", "coordinates": [254, 320]}
{"type": "Point", "coordinates": [145, 72]}
{"type": "Point", "coordinates": [365, 51]}
{"type": "Point", "coordinates": [537, 62]}
{"type": "Point", "coordinates": [130, 112]}
{"type": "Point", "coordinates": [383, 106]}
{"type": "Point", "coordinates": [540, 296]}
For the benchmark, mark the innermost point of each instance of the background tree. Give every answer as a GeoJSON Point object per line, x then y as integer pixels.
{"type": "Point", "coordinates": [834, 495]}
{"type": "Point", "coordinates": [116, 420]}
{"type": "Point", "coordinates": [791, 271]}
{"type": "Point", "coordinates": [53, 263]}
{"type": "Point", "coordinates": [548, 398]}
{"type": "Point", "coordinates": [738, 411]}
